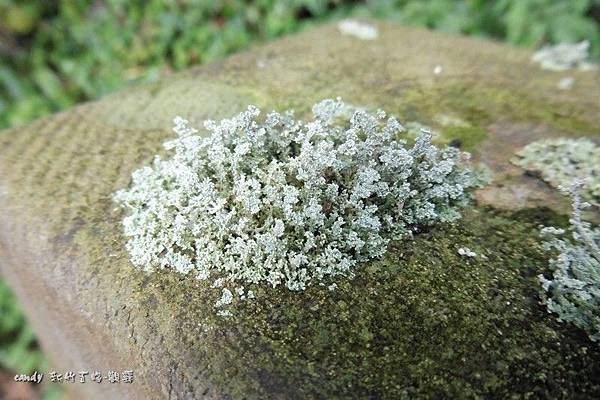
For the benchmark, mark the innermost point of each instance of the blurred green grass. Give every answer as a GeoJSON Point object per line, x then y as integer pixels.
{"type": "Point", "coordinates": [54, 54]}
{"type": "Point", "coordinates": [18, 347]}
{"type": "Point", "coordinates": [19, 350]}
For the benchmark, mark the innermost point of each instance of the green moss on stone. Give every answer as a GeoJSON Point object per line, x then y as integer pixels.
{"type": "Point", "coordinates": [482, 105]}
{"type": "Point", "coordinates": [467, 137]}
{"type": "Point", "coordinates": [423, 322]}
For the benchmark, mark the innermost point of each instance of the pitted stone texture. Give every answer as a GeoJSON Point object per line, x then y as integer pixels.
{"type": "Point", "coordinates": [61, 246]}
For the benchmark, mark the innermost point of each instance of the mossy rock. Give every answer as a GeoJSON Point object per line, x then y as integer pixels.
{"type": "Point", "coordinates": [423, 322]}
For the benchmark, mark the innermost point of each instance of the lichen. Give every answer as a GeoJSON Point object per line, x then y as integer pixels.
{"type": "Point", "coordinates": [285, 202]}
{"type": "Point", "coordinates": [466, 252]}
{"type": "Point", "coordinates": [574, 289]}
{"type": "Point", "coordinates": [358, 29]}
{"type": "Point", "coordinates": [566, 83]}
{"type": "Point", "coordinates": [562, 161]}
{"type": "Point", "coordinates": [564, 56]}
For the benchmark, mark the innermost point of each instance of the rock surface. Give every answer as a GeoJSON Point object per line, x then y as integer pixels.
{"type": "Point", "coordinates": [424, 322]}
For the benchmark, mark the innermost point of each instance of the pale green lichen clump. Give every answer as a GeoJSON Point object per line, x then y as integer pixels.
{"type": "Point", "coordinates": [564, 56]}
{"type": "Point", "coordinates": [574, 289]}
{"type": "Point", "coordinates": [285, 202]}
{"type": "Point", "coordinates": [560, 162]}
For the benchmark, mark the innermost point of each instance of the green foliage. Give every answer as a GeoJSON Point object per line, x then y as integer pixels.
{"type": "Point", "coordinates": [521, 22]}
{"type": "Point", "coordinates": [19, 350]}
{"type": "Point", "coordinates": [18, 347]}
{"type": "Point", "coordinates": [82, 49]}
{"type": "Point", "coordinates": [55, 54]}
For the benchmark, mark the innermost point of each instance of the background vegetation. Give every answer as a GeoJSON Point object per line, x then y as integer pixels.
{"type": "Point", "coordinates": [57, 53]}
{"type": "Point", "coordinates": [54, 54]}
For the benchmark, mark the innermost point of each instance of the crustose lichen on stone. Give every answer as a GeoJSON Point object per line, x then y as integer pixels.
{"type": "Point", "coordinates": [561, 161]}
{"type": "Point", "coordinates": [281, 201]}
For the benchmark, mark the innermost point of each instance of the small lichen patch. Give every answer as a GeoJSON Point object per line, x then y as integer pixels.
{"type": "Point", "coordinates": [466, 252]}
{"type": "Point", "coordinates": [566, 83]}
{"type": "Point", "coordinates": [562, 161]}
{"type": "Point", "coordinates": [279, 201]}
{"type": "Point", "coordinates": [564, 56]}
{"type": "Point", "coordinates": [226, 298]}
{"type": "Point", "coordinates": [358, 29]}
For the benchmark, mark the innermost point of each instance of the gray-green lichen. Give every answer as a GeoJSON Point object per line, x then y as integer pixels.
{"type": "Point", "coordinates": [286, 202]}
{"type": "Point", "coordinates": [564, 56]}
{"type": "Point", "coordinates": [560, 162]}
{"type": "Point", "coordinates": [358, 29]}
{"type": "Point", "coordinates": [574, 289]}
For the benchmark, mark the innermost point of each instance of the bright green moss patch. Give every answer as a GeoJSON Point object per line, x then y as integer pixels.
{"type": "Point", "coordinates": [466, 137]}
{"type": "Point", "coordinates": [481, 105]}
{"type": "Point", "coordinates": [425, 322]}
